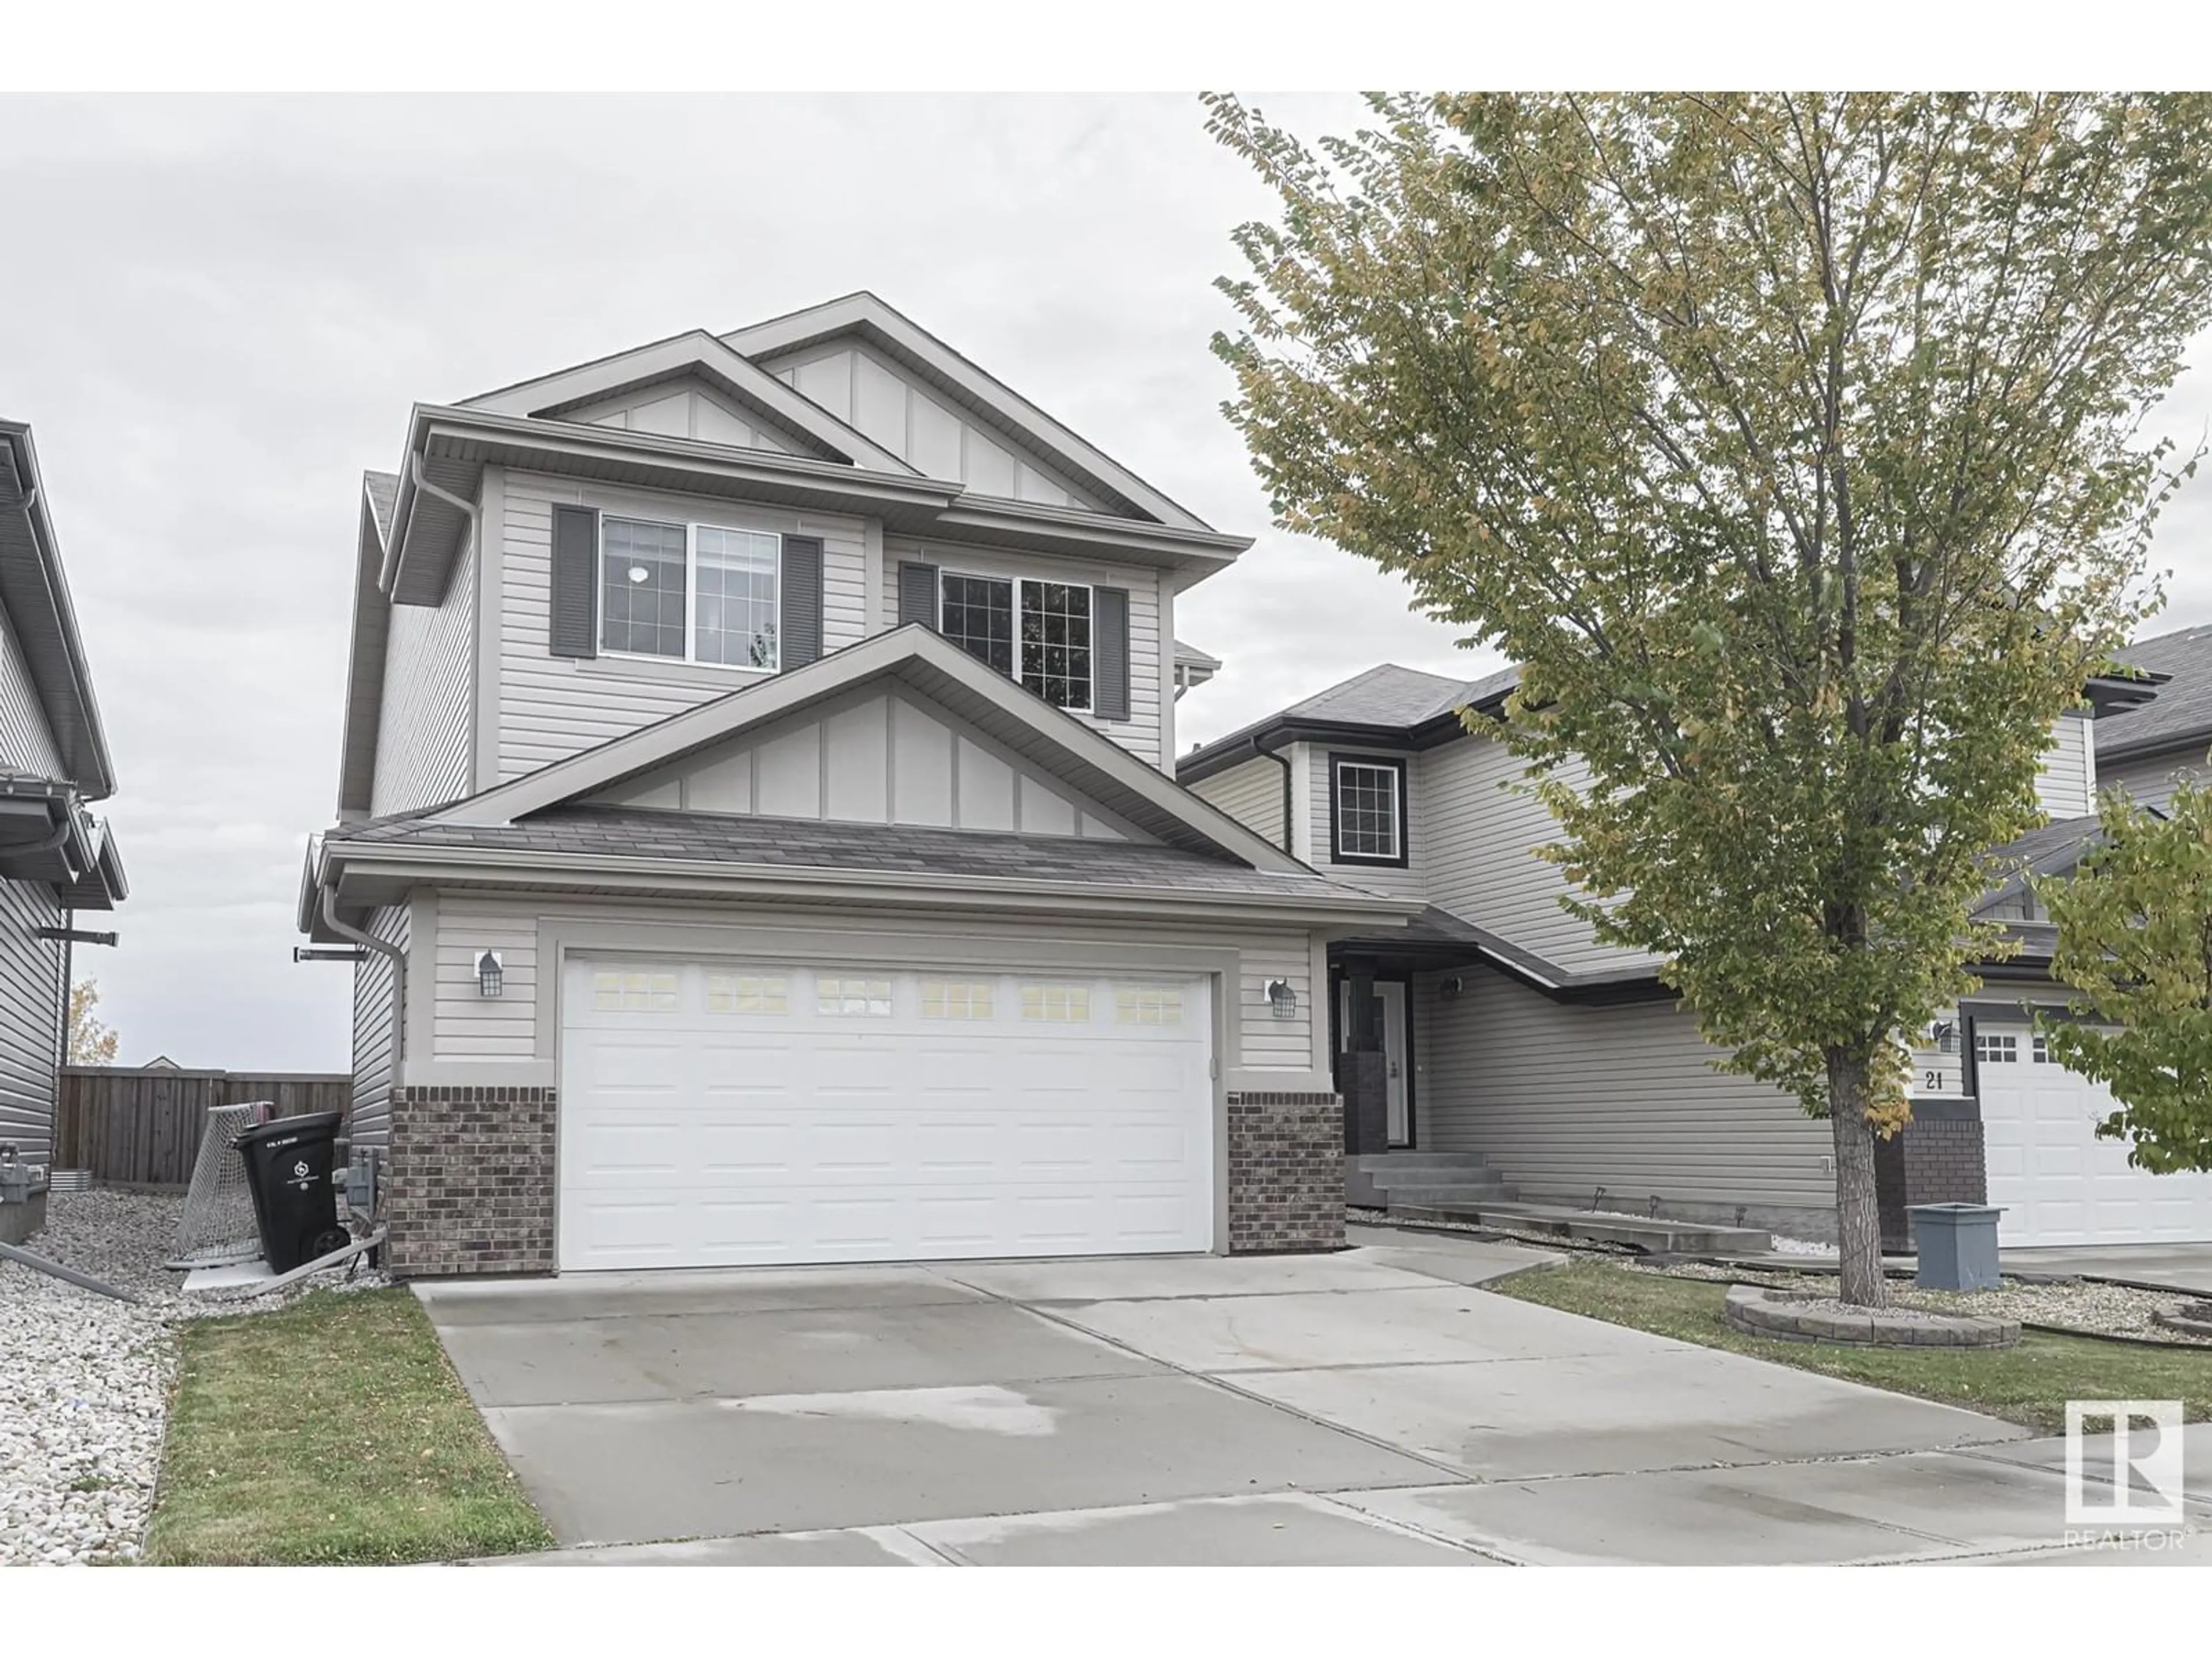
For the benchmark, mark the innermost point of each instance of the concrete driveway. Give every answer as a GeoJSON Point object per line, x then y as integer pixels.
{"type": "Point", "coordinates": [1372, 1408]}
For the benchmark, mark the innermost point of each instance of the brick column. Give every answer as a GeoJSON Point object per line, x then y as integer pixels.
{"type": "Point", "coordinates": [1285, 1173]}
{"type": "Point", "coordinates": [1940, 1158]}
{"type": "Point", "coordinates": [470, 1189]}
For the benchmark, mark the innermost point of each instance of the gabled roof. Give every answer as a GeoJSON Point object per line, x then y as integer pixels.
{"type": "Point", "coordinates": [990, 400]}
{"type": "Point", "coordinates": [2180, 716]}
{"type": "Point", "coordinates": [1058, 743]}
{"type": "Point", "coordinates": [1387, 704]}
{"type": "Point", "coordinates": [698, 354]}
{"type": "Point", "coordinates": [34, 595]}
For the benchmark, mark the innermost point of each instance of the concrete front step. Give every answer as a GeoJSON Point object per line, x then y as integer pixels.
{"type": "Point", "coordinates": [1655, 1234]}
{"type": "Point", "coordinates": [1384, 1162]}
{"type": "Point", "coordinates": [1438, 1190]}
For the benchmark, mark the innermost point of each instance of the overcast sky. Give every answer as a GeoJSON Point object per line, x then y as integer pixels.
{"type": "Point", "coordinates": [227, 306]}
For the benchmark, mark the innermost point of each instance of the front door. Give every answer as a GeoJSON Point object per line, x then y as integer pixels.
{"type": "Point", "coordinates": [1391, 994]}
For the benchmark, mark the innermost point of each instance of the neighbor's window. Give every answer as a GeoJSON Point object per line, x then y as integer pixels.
{"type": "Point", "coordinates": [1368, 812]}
{"type": "Point", "coordinates": [1037, 633]}
{"type": "Point", "coordinates": [690, 593]}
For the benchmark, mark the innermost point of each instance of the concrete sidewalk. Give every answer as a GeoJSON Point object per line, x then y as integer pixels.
{"type": "Point", "coordinates": [1372, 1408]}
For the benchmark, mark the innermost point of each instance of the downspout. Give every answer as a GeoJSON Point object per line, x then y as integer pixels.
{"type": "Point", "coordinates": [1259, 748]}
{"type": "Point", "coordinates": [384, 948]}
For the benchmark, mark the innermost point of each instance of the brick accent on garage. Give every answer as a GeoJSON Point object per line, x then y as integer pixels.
{"type": "Point", "coordinates": [470, 1189]}
{"type": "Point", "coordinates": [1938, 1158]}
{"type": "Point", "coordinates": [1285, 1173]}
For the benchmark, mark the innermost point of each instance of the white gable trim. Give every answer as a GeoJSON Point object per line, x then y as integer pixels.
{"type": "Point", "coordinates": [700, 354]}
{"type": "Point", "coordinates": [870, 318]}
{"type": "Point", "coordinates": [1095, 767]}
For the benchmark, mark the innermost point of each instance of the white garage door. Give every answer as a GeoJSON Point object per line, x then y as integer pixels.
{"type": "Point", "coordinates": [2057, 1183]}
{"type": "Point", "coordinates": [723, 1114]}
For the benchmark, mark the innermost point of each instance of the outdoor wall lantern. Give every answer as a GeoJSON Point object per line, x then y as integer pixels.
{"type": "Point", "coordinates": [1449, 988]}
{"type": "Point", "coordinates": [1282, 999]}
{"type": "Point", "coordinates": [491, 979]}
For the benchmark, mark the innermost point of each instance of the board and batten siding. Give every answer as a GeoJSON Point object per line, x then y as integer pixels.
{"type": "Point", "coordinates": [1564, 1099]}
{"type": "Point", "coordinates": [2066, 787]}
{"type": "Point", "coordinates": [1252, 794]}
{"type": "Point", "coordinates": [30, 1018]}
{"type": "Point", "coordinates": [1150, 652]}
{"type": "Point", "coordinates": [1481, 863]}
{"type": "Point", "coordinates": [874, 756]}
{"type": "Point", "coordinates": [374, 1018]}
{"type": "Point", "coordinates": [469, 1027]}
{"type": "Point", "coordinates": [425, 752]}
{"type": "Point", "coordinates": [2150, 778]}
{"type": "Point", "coordinates": [551, 707]}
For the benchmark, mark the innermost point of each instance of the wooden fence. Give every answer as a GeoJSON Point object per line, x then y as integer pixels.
{"type": "Point", "coordinates": [141, 1125]}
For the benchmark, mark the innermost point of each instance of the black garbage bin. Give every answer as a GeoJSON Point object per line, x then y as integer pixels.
{"type": "Point", "coordinates": [288, 1168]}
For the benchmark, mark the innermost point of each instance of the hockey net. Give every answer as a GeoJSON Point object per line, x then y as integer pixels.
{"type": "Point", "coordinates": [217, 1227]}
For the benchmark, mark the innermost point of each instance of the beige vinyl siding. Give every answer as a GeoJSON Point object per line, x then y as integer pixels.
{"type": "Point", "coordinates": [30, 1018]}
{"type": "Point", "coordinates": [1565, 1099]}
{"type": "Point", "coordinates": [2066, 787]}
{"type": "Point", "coordinates": [469, 1027]}
{"type": "Point", "coordinates": [1481, 864]}
{"type": "Point", "coordinates": [1413, 881]}
{"type": "Point", "coordinates": [25, 742]}
{"type": "Point", "coordinates": [1150, 652]}
{"type": "Point", "coordinates": [553, 707]}
{"type": "Point", "coordinates": [425, 744]}
{"type": "Point", "coordinates": [1252, 794]}
{"type": "Point", "coordinates": [2150, 778]}
{"type": "Point", "coordinates": [375, 1015]}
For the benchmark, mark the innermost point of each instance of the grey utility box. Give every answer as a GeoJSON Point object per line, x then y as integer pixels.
{"type": "Point", "coordinates": [1957, 1246]}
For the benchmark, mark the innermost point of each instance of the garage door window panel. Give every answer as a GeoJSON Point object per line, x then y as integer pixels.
{"type": "Point", "coordinates": [635, 991]}
{"type": "Point", "coordinates": [748, 994]}
{"type": "Point", "coordinates": [1056, 1004]}
{"type": "Point", "coordinates": [959, 998]}
{"type": "Point", "coordinates": [853, 997]}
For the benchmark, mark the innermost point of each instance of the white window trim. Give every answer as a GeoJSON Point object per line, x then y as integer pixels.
{"type": "Point", "coordinates": [1017, 583]}
{"type": "Point", "coordinates": [1339, 765]}
{"type": "Point", "coordinates": [691, 527]}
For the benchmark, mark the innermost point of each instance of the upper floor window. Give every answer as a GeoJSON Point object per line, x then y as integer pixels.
{"type": "Point", "coordinates": [1367, 811]}
{"type": "Point", "coordinates": [1035, 632]}
{"type": "Point", "coordinates": [689, 592]}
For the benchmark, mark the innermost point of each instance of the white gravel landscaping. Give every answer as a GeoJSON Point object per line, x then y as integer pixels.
{"type": "Point", "coordinates": [2075, 1305]}
{"type": "Point", "coordinates": [84, 1379]}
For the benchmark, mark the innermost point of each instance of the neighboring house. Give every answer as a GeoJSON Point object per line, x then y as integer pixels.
{"type": "Point", "coordinates": [1499, 1026]}
{"type": "Point", "coordinates": [757, 818]}
{"type": "Point", "coordinates": [2143, 752]}
{"type": "Point", "coordinates": [55, 856]}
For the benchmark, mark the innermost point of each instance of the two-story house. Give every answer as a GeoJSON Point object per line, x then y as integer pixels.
{"type": "Point", "coordinates": [758, 827]}
{"type": "Point", "coordinates": [56, 858]}
{"type": "Point", "coordinates": [1497, 1051]}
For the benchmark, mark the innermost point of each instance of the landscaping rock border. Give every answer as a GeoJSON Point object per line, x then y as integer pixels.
{"type": "Point", "coordinates": [1809, 1316]}
{"type": "Point", "coordinates": [2194, 1319]}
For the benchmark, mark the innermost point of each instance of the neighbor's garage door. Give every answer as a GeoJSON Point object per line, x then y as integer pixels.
{"type": "Point", "coordinates": [2059, 1184]}
{"type": "Point", "coordinates": [727, 1114]}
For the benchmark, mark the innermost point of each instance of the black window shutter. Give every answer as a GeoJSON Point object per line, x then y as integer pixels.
{"type": "Point", "coordinates": [801, 623]}
{"type": "Point", "coordinates": [1109, 653]}
{"type": "Point", "coordinates": [575, 587]}
{"type": "Point", "coordinates": [917, 593]}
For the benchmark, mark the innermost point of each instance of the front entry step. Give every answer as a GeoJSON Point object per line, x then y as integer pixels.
{"type": "Point", "coordinates": [1653, 1234]}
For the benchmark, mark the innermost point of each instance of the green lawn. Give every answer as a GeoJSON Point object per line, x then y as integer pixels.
{"type": "Point", "coordinates": [332, 1430]}
{"type": "Point", "coordinates": [2029, 1384]}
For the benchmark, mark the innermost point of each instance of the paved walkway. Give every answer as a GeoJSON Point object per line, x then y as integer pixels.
{"type": "Point", "coordinates": [1374, 1406]}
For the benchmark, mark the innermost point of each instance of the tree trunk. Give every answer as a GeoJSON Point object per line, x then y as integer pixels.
{"type": "Point", "coordinates": [1858, 1215]}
